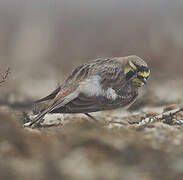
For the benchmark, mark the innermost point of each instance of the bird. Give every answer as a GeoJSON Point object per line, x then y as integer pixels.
{"type": "Point", "coordinates": [97, 85]}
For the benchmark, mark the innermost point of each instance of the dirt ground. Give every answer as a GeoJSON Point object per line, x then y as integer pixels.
{"type": "Point", "coordinates": [78, 148]}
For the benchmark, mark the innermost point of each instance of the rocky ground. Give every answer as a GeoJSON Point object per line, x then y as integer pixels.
{"type": "Point", "coordinates": [117, 147]}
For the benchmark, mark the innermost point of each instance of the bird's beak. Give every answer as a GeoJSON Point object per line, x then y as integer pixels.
{"type": "Point", "coordinates": [144, 80]}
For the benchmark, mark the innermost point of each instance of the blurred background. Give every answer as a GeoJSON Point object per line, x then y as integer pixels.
{"type": "Point", "coordinates": [43, 40]}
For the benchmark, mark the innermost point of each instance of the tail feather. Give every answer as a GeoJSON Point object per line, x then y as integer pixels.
{"type": "Point", "coordinates": [60, 102]}
{"type": "Point", "coordinates": [42, 114]}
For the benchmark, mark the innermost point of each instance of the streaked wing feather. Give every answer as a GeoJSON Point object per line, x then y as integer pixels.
{"type": "Point", "coordinates": [43, 103]}
{"type": "Point", "coordinates": [83, 104]}
{"type": "Point", "coordinates": [63, 97]}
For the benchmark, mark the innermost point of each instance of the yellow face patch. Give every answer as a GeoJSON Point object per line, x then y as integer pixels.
{"type": "Point", "coordinates": [143, 74]}
{"type": "Point", "coordinates": [137, 82]}
{"type": "Point", "coordinates": [127, 69]}
{"type": "Point", "coordinates": [132, 65]}
{"type": "Point", "coordinates": [137, 73]}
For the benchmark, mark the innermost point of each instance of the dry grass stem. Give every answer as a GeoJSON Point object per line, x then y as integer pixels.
{"type": "Point", "coordinates": [5, 76]}
{"type": "Point", "coordinates": [164, 115]}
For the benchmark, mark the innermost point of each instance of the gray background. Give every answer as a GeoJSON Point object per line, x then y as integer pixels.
{"type": "Point", "coordinates": [43, 40]}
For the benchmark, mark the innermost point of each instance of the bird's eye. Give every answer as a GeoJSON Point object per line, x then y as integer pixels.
{"type": "Point", "coordinates": [129, 75]}
{"type": "Point", "coordinates": [142, 69]}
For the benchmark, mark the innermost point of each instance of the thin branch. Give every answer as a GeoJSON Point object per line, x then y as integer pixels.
{"type": "Point", "coordinates": [162, 116]}
{"type": "Point", "coordinates": [41, 125]}
{"type": "Point", "coordinates": [5, 76]}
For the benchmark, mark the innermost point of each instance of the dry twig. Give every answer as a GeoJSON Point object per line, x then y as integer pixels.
{"type": "Point", "coordinates": [5, 76]}
{"type": "Point", "coordinates": [162, 116]}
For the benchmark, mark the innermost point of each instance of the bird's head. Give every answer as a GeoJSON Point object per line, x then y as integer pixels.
{"type": "Point", "coordinates": [136, 71]}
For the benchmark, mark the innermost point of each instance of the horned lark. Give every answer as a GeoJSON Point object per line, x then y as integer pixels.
{"type": "Point", "coordinates": [98, 85]}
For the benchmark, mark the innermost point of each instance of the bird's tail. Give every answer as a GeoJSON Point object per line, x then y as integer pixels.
{"type": "Point", "coordinates": [42, 114]}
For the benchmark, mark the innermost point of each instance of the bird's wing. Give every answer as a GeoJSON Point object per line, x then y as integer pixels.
{"type": "Point", "coordinates": [81, 104]}
{"type": "Point", "coordinates": [43, 103]}
{"type": "Point", "coordinates": [84, 104]}
{"type": "Point", "coordinates": [64, 96]}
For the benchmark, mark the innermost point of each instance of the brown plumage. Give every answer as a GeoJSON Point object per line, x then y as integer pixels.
{"type": "Point", "coordinates": [101, 84]}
